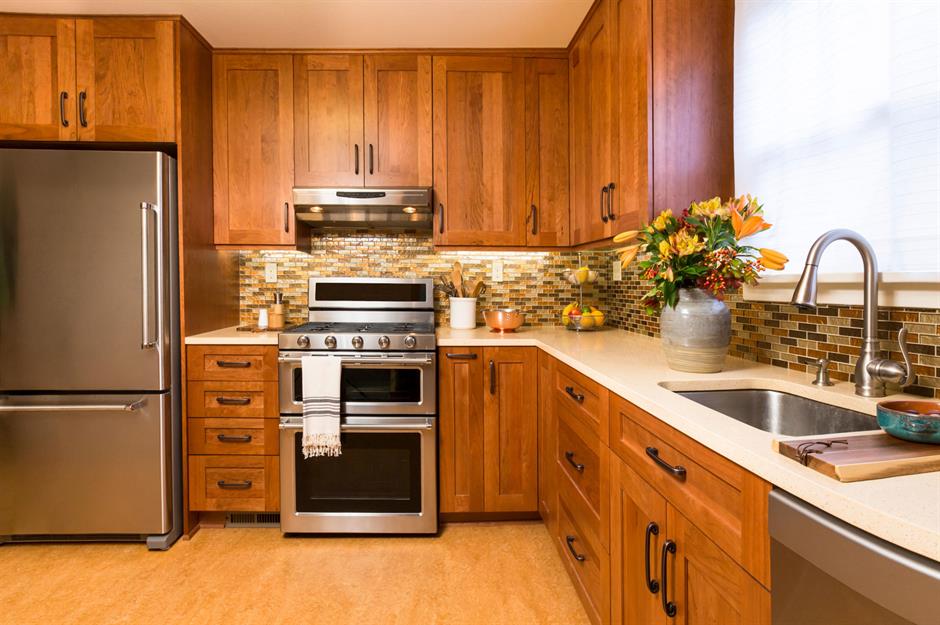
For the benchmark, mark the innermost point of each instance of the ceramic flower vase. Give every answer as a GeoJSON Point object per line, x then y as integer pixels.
{"type": "Point", "coordinates": [696, 333]}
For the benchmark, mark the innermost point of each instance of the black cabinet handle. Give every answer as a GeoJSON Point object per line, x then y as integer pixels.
{"type": "Point", "coordinates": [669, 607]}
{"type": "Point", "coordinates": [233, 401]}
{"type": "Point", "coordinates": [603, 211]}
{"type": "Point", "coordinates": [82, 96]}
{"type": "Point", "coordinates": [651, 530]}
{"type": "Point", "coordinates": [677, 471]}
{"type": "Point", "coordinates": [569, 540]}
{"type": "Point", "coordinates": [610, 201]}
{"type": "Point", "coordinates": [440, 219]}
{"type": "Point", "coordinates": [462, 356]}
{"type": "Point", "coordinates": [569, 456]}
{"type": "Point", "coordinates": [233, 364]}
{"type": "Point", "coordinates": [492, 378]}
{"type": "Point", "coordinates": [534, 216]}
{"type": "Point", "coordinates": [371, 158]}
{"type": "Point", "coordinates": [62, 98]}
{"type": "Point", "coordinates": [234, 485]}
{"type": "Point", "coordinates": [578, 397]}
{"type": "Point", "coordinates": [286, 217]}
{"type": "Point", "coordinates": [356, 146]}
{"type": "Point", "coordinates": [226, 438]}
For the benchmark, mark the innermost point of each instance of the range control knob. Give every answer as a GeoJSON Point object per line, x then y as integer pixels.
{"type": "Point", "coordinates": [357, 342]}
{"type": "Point", "coordinates": [384, 342]}
{"type": "Point", "coordinates": [410, 342]}
{"type": "Point", "coordinates": [303, 341]}
{"type": "Point", "coordinates": [330, 342]}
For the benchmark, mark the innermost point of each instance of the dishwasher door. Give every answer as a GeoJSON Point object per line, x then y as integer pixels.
{"type": "Point", "coordinates": [827, 572]}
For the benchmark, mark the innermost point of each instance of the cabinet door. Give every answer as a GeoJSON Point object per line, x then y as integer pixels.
{"type": "Point", "coordinates": [510, 416]}
{"type": "Point", "coordinates": [547, 436]}
{"type": "Point", "coordinates": [546, 128]}
{"type": "Point", "coordinates": [253, 161]}
{"type": "Point", "coordinates": [37, 78]}
{"type": "Point", "coordinates": [397, 113]}
{"type": "Point", "coordinates": [479, 144]}
{"type": "Point", "coordinates": [705, 584]}
{"type": "Point", "coordinates": [328, 134]}
{"type": "Point", "coordinates": [460, 397]}
{"type": "Point", "coordinates": [638, 529]}
{"type": "Point", "coordinates": [125, 79]}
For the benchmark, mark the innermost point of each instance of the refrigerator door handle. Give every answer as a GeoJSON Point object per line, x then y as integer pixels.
{"type": "Point", "coordinates": [131, 407]}
{"type": "Point", "coordinates": [147, 341]}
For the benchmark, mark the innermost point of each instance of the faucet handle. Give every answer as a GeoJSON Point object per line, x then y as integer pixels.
{"type": "Point", "coordinates": [822, 371]}
{"type": "Point", "coordinates": [890, 371]}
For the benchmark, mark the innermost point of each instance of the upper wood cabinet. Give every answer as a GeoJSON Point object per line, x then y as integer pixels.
{"type": "Point", "coordinates": [362, 120]}
{"type": "Point", "coordinates": [253, 157]}
{"type": "Point", "coordinates": [546, 154]}
{"type": "Point", "coordinates": [479, 151]}
{"type": "Point", "coordinates": [37, 78]}
{"type": "Point", "coordinates": [99, 79]}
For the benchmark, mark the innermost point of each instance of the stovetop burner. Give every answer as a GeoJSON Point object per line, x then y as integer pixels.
{"type": "Point", "coordinates": [338, 327]}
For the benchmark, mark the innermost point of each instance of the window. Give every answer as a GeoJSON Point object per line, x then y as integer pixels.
{"type": "Point", "coordinates": [837, 125]}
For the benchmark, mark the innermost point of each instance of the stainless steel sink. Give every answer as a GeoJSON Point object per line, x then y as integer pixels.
{"type": "Point", "coordinates": [782, 413]}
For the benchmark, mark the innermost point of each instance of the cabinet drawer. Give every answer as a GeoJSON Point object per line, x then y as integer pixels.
{"type": "Point", "coordinates": [240, 483]}
{"type": "Point", "coordinates": [583, 462]}
{"type": "Point", "coordinates": [233, 436]}
{"type": "Point", "coordinates": [586, 399]}
{"type": "Point", "coordinates": [727, 502]}
{"type": "Point", "coordinates": [587, 564]}
{"type": "Point", "coordinates": [232, 399]}
{"type": "Point", "coordinates": [231, 362]}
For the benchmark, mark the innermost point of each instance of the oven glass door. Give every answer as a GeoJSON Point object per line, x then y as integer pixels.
{"type": "Point", "coordinates": [384, 385]}
{"type": "Point", "coordinates": [378, 472]}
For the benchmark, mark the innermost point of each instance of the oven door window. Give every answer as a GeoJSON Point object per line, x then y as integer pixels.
{"type": "Point", "coordinates": [380, 385]}
{"type": "Point", "coordinates": [377, 472]}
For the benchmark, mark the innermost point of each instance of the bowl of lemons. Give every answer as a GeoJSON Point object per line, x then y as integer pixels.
{"type": "Point", "coordinates": [582, 318]}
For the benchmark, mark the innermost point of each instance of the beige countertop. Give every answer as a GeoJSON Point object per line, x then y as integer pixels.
{"type": "Point", "coordinates": [231, 336]}
{"type": "Point", "coordinates": [903, 510]}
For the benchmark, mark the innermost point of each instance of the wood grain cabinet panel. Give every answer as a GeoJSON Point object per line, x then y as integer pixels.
{"type": "Point", "coordinates": [253, 157]}
{"type": "Point", "coordinates": [479, 151]}
{"type": "Point", "coordinates": [233, 482]}
{"type": "Point", "coordinates": [583, 465]}
{"type": "Point", "coordinates": [397, 120]}
{"type": "Point", "coordinates": [328, 120]}
{"type": "Point", "coordinates": [231, 362]}
{"type": "Point", "coordinates": [37, 78]}
{"type": "Point", "coordinates": [217, 398]}
{"type": "Point", "coordinates": [548, 433]}
{"type": "Point", "coordinates": [587, 563]}
{"type": "Point", "coordinates": [460, 404]}
{"type": "Point", "coordinates": [125, 71]}
{"type": "Point", "coordinates": [223, 436]}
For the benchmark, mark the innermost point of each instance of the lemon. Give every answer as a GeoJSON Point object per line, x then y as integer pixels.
{"type": "Point", "coordinates": [582, 274]}
{"type": "Point", "coordinates": [587, 321]}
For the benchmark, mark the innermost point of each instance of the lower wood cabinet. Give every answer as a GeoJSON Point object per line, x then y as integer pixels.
{"type": "Point", "coordinates": [548, 431]}
{"type": "Point", "coordinates": [488, 405]}
{"type": "Point", "coordinates": [230, 483]}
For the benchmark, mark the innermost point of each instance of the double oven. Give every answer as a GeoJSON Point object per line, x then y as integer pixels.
{"type": "Point", "coordinates": [385, 480]}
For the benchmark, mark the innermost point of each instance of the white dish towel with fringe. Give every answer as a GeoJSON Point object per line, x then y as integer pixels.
{"type": "Point", "coordinates": [320, 379]}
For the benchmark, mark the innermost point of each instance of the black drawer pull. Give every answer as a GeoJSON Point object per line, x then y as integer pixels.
{"type": "Point", "coordinates": [63, 96]}
{"type": "Point", "coordinates": [462, 356]}
{"type": "Point", "coordinates": [669, 607]}
{"type": "Point", "coordinates": [233, 401]}
{"type": "Point", "coordinates": [492, 378]}
{"type": "Point", "coordinates": [227, 438]}
{"type": "Point", "coordinates": [569, 540]}
{"type": "Point", "coordinates": [233, 364]}
{"type": "Point", "coordinates": [604, 192]}
{"type": "Point", "coordinates": [578, 397]}
{"type": "Point", "coordinates": [234, 485]}
{"type": "Point", "coordinates": [651, 530]}
{"type": "Point", "coordinates": [569, 455]}
{"type": "Point", "coordinates": [677, 472]}
{"type": "Point", "coordinates": [82, 118]}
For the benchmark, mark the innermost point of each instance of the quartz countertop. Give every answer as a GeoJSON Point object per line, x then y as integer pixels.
{"type": "Point", "coordinates": [903, 510]}
{"type": "Point", "coordinates": [231, 336]}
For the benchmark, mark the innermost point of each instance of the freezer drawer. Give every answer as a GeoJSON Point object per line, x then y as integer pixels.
{"type": "Point", "coordinates": [85, 465]}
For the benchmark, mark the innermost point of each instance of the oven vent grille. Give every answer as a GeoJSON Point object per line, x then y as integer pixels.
{"type": "Point", "coordinates": [253, 519]}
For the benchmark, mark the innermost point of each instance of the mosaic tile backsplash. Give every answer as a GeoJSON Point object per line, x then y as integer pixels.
{"type": "Point", "coordinates": [776, 334]}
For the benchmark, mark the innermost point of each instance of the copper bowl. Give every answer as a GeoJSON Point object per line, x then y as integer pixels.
{"type": "Point", "coordinates": [504, 319]}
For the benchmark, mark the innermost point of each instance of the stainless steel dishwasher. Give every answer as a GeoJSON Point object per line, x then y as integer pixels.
{"type": "Point", "coordinates": [827, 572]}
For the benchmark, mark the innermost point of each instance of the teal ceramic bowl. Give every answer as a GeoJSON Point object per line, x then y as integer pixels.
{"type": "Point", "coordinates": [917, 421]}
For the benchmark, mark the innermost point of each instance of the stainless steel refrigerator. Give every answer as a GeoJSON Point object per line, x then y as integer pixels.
{"type": "Point", "coordinates": [89, 347]}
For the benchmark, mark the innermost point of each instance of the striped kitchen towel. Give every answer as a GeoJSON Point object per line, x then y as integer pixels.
{"type": "Point", "coordinates": [320, 379]}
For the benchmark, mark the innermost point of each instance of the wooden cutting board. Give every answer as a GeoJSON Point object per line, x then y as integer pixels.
{"type": "Point", "coordinates": [862, 456]}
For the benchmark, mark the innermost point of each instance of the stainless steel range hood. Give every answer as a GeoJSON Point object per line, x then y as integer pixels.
{"type": "Point", "coordinates": [390, 209]}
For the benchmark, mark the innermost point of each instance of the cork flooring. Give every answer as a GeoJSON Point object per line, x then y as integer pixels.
{"type": "Point", "coordinates": [473, 574]}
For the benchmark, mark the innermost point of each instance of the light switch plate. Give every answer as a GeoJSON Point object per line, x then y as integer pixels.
{"type": "Point", "coordinates": [270, 272]}
{"type": "Point", "coordinates": [618, 271]}
{"type": "Point", "coordinates": [497, 271]}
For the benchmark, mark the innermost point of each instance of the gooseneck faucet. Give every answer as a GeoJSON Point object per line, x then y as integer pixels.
{"type": "Point", "coordinates": [871, 371]}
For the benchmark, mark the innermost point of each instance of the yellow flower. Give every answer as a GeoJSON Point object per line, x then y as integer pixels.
{"type": "Point", "coordinates": [665, 250]}
{"type": "Point", "coordinates": [710, 208]}
{"type": "Point", "coordinates": [686, 243]}
{"type": "Point", "coordinates": [660, 222]}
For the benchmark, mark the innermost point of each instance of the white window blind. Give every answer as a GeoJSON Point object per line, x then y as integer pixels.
{"type": "Point", "coordinates": [837, 125]}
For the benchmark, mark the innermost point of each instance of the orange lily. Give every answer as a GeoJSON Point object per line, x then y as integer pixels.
{"type": "Point", "coordinates": [746, 226]}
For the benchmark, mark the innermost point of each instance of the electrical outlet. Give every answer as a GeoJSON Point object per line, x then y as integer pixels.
{"type": "Point", "coordinates": [497, 271]}
{"type": "Point", "coordinates": [270, 272]}
{"type": "Point", "coordinates": [618, 271]}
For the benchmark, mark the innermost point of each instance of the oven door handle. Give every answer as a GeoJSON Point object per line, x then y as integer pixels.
{"type": "Point", "coordinates": [369, 361]}
{"type": "Point", "coordinates": [346, 427]}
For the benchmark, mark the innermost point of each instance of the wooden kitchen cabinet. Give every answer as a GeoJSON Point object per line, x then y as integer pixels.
{"type": "Point", "coordinates": [479, 151]}
{"type": "Point", "coordinates": [253, 159]}
{"type": "Point", "coordinates": [547, 436]}
{"type": "Point", "coordinates": [488, 429]}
